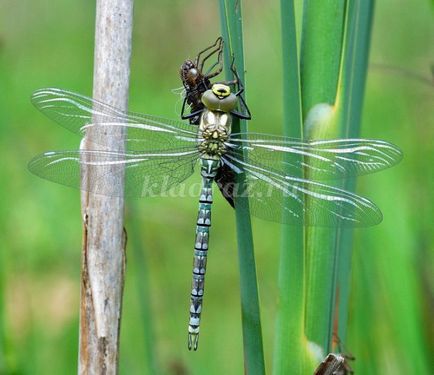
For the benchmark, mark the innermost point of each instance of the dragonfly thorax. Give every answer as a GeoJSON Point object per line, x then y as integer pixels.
{"type": "Point", "coordinates": [214, 131]}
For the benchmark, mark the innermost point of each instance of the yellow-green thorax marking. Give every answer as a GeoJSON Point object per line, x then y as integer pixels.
{"type": "Point", "coordinates": [216, 120]}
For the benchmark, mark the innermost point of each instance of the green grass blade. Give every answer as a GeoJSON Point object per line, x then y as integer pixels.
{"type": "Point", "coordinates": [321, 48]}
{"type": "Point", "coordinates": [322, 34]}
{"type": "Point", "coordinates": [387, 289]}
{"type": "Point", "coordinates": [2, 316]}
{"type": "Point", "coordinates": [143, 290]}
{"type": "Point", "coordinates": [350, 97]}
{"type": "Point", "coordinates": [388, 293]}
{"type": "Point", "coordinates": [289, 350]}
{"type": "Point", "coordinates": [231, 21]}
{"type": "Point", "coordinates": [330, 250]}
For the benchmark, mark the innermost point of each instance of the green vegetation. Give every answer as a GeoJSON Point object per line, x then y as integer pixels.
{"type": "Point", "coordinates": [231, 21]}
{"type": "Point", "coordinates": [289, 331]}
{"type": "Point", "coordinates": [383, 306]}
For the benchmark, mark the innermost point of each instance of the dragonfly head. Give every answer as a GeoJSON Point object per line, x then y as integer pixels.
{"type": "Point", "coordinates": [219, 98]}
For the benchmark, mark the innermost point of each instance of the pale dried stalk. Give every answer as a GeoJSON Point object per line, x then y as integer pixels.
{"type": "Point", "coordinates": [103, 256]}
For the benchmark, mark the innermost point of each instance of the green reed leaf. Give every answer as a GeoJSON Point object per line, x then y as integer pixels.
{"type": "Point", "coordinates": [231, 24]}
{"type": "Point", "coordinates": [289, 350]}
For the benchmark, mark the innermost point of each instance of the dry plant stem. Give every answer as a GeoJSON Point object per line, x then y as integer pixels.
{"type": "Point", "coordinates": [103, 257]}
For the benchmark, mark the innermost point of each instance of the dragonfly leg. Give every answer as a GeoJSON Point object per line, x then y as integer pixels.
{"type": "Point", "coordinates": [216, 47]}
{"type": "Point", "coordinates": [219, 64]}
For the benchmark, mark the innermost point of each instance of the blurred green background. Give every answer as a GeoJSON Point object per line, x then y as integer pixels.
{"type": "Point", "coordinates": [46, 43]}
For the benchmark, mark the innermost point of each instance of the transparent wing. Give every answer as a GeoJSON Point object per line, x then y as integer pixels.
{"type": "Point", "coordinates": [76, 113]}
{"type": "Point", "coordinates": [321, 159]}
{"type": "Point", "coordinates": [145, 174]}
{"type": "Point", "coordinates": [282, 198]}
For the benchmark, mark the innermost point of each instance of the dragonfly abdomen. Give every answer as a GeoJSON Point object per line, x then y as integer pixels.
{"type": "Point", "coordinates": [209, 170]}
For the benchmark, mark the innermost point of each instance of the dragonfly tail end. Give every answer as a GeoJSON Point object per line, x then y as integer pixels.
{"type": "Point", "coordinates": [193, 340]}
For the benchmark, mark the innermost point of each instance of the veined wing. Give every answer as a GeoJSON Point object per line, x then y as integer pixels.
{"type": "Point", "coordinates": [320, 159]}
{"type": "Point", "coordinates": [282, 198]}
{"type": "Point", "coordinates": [77, 113]}
{"type": "Point", "coordinates": [145, 174]}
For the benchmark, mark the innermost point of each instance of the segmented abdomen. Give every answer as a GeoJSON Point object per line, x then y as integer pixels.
{"type": "Point", "coordinates": [208, 171]}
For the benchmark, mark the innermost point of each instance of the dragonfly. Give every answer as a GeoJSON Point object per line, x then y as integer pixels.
{"type": "Point", "coordinates": [161, 153]}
